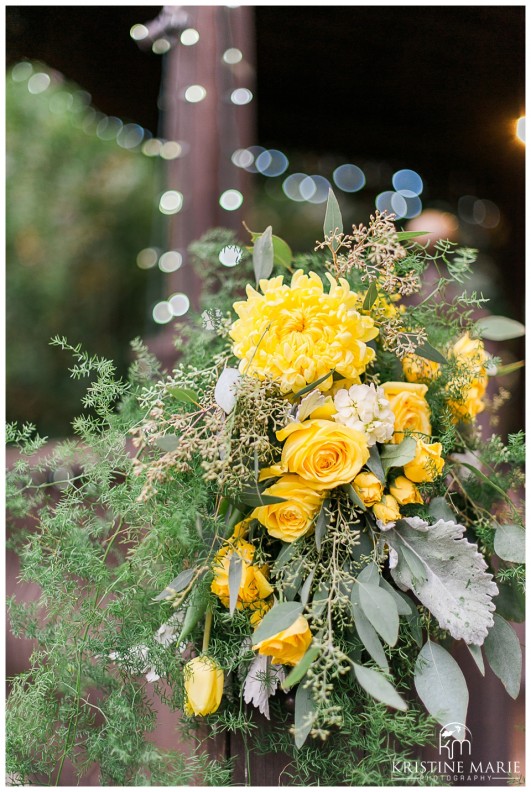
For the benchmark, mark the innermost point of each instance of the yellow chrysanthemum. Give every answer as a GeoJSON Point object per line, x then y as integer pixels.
{"type": "Point", "coordinates": [296, 334]}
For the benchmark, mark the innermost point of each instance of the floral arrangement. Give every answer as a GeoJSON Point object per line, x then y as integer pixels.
{"type": "Point", "coordinates": [316, 496]}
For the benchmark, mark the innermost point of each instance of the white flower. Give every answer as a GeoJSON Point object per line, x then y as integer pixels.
{"type": "Point", "coordinates": [365, 408]}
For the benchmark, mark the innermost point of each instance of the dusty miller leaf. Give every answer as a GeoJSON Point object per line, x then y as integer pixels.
{"type": "Point", "coordinates": [261, 682]}
{"type": "Point", "coordinates": [456, 587]}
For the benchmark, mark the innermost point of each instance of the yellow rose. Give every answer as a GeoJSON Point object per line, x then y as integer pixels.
{"type": "Point", "coordinates": [295, 334]}
{"type": "Point", "coordinates": [471, 356]}
{"type": "Point", "coordinates": [203, 686]}
{"type": "Point", "coordinates": [324, 453]}
{"type": "Point", "coordinates": [427, 463]}
{"type": "Point", "coordinates": [368, 488]}
{"type": "Point", "coordinates": [294, 517]}
{"type": "Point", "coordinates": [387, 510]}
{"type": "Point", "coordinates": [420, 369]}
{"type": "Point", "coordinates": [404, 491]}
{"type": "Point", "coordinates": [254, 586]}
{"type": "Point", "coordinates": [288, 646]}
{"type": "Point", "coordinates": [410, 408]}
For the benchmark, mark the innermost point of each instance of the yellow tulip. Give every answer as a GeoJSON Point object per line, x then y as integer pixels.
{"type": "Point", "coordinates": [288, 646]}
{"type": "Point", "coordinates": [368, 488]}
{"type": "Point", "coordinates": [203, 686]}
{"type": "Point", "coordinates": [427, 463]}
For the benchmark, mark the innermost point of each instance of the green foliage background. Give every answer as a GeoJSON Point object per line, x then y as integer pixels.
{"type": "Point", "coordinates": [79, 210]}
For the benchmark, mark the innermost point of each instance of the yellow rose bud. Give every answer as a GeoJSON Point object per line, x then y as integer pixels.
{"type": "Point", "coordinates": [294, 517]}
{"type": "Point", "coordinates": [288, 646]}
{"type": "Point", "coordinates": [387, 510]}
{"type": "Point", "coordinates": [203, 686]}
{"type": "Point", "coordinates": [410, 408]}
{"type": "Point", "coordinates": [254, 586]}
{"type": "Point", "coordinates": [427, 463]}
{"type": "Point", "coordinates": [324, 453]}
{"type": "Point", "coordinates": [419, 369]}
{"type": "Point", "coordinates": [471, 356]}
{"type": "Point", "coordinates": [368, 488]}
{"type": "Point", "coordinates": [404, 491]}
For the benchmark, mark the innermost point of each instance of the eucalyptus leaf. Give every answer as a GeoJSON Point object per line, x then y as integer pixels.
{"type": "Point", "coordinates": [510, 601]}
{"type": "Point", "coordinates": [312, 385]}
{"type": "Point", "coordinates": [321, 524]}
{"type": "Point", "coordinates": [398, 455]}
{"type": "Point", "coordinates": [320, 599]}
{"type": "Point", "coordinates": [184, 394]}
{"type": "Point", "coordinates": [500, 328]}
{"type": "Point", "coordinates": [477, 656]}
{"type": "Point", "coordinates": [305, 590]}
{"type": "Point", "coordinates": [402, 602]}
{"type": "Point", "coordinates": [430, 353]}
{"type": "Point", "coordinates": [304, 714]}
{"type": "Point", "coordinates": [281, 250]}
{"type": "Point", "coordinates": [370, 574]}
{"type": "Point", "coordinates": [285, 555]}
{"type": "Point", "coordinates": [374, 463]}
{"type": "Point", "coordinates": [296, 574]}
{"type": "Point", "coordinates": [333, 222]}
{"type": "Point", "coordinates": [381, 610]}
{"type": "Point", "coordinates": [178, 584]}
{"type": "Point", "coordinates": [370, 297]}
{"type": "Point", "coordinates": [354, 497]}
{"type": "Point", "coordinates": [377, 686]}
{"type": "Point", "coordinates": [441, 685]}
{"type": "Point", "coordinates": [440, 509]}
{"type": "Point", "coordinates": [235, 580]}
{"type": "Point", "coordinates": [403, 236]}
{"type": "Point", "coordinates": [168, 442]}
{"type": "Point", "coordinates": [369, 637]}
{"type": "Point", "coordinates": [456, 586]}
{"type": "Point", "coordinates": [263, 255]}
{"type": "Point", "coordinates": [251, 496]}
{"type": "Point", "coordinates": [297, 673]}
{"type": "Point", "coordinates": [509, 543]}
{"type": "Point", "coordinates": [280, 617]}
{"type": "Point", "coordinates": [504, 655]}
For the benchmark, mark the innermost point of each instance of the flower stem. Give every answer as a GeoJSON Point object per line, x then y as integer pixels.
{"type": "Point", "coordinates": [208, 627]}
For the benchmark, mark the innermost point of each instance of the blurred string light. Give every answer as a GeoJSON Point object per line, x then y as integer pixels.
{"type": "Point", "coordinates": [478, 211]}
{"type": "Point", "coordinates": [231, 200]}
{"type": "Point", "coordinates": [349, 178]}
{"type": "Point", "coordinates": [241, 96]}
{"type": "Point", "coordinates": [232, 56]}
{"type": "Point", "coordinates": [38, 83]}
{"type": "Point", "coordinates": [139, 32]}
{"type": "Point", "coordinates": [165, 310]}
{"type": "Point", "coordinates": [170, 261]}
{"type": "Point", "coordinates": [171, 202]}
{"type": "Point", "coordinates": [409, 181]}
{"type": "Point", "coordinates": [195, 93]}
{"type": "Point", "coordinates": [147, 258]}
{"type": "Point", "coordinates": [520, 129]}
{"type": "Point", "coordinates": [161, 46]}
{"type": "Point", "coordinates": [189, 37]}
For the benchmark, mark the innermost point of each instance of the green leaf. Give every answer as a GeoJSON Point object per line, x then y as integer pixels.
{"type": "Point", "coordinates": [510, 602]}
{"type": "Point", "coordinates": [477, 656]}
{"type": "Point", "coordinates": [370, 297]}
{"type": "Point", "coordinates": [402, 602]}
{"type": "Point", "coordinates": [504, 655]}
{"type": "Point", "coordinates": [294, 580]}
{"type": "Point", "coordinates": [251, 496]}
{"type": "Point", "coordinates": [370, 574]}
{"type": "Point", "coordinates": [283, 255]}
{"type": "Point", "coordinates": [178, 584]}
{"type": "Point", "coordinates": [280, 617]}
{"type": "Point", "coordinates": [374, 463]}
{"type": "Point", "coordinates": [368, 636]}
{"type": "Point", "coordinates": [321, 524]}
{"type": "Point", "coordinates": [509, 543]}
{"type": "Point", "coordinates": [168, 442]}
{"type": "Point", "coordinates": [184, 394]}
{"type": "Point", "coordinates": [304, 712]}
{"type": "Point", "coordinates": [312, 385]}
{"type": "Point", "coordinates": [440, 509]}
{"type": "Point", "coordinates": [403, 236]}
{"type": "Point", "coordinates": [430, 353]}
{"type": "Point", "coordinates": [354, 497]}
{"type": "Point", "coordinates": [441, 685]}
{"type": "Point", "coordinates": [305, 590]}
{"type": "Point", "coordinates": [485, 479]}
{"type": "Point", "coordinates": [297, 673]}
{"type": "Point", "coordinates": [381, 610]}
{"type": "Point", "coordinates": [500, 328]}
{"type": "Point", "coordinates": [333, 221]}
{"type": "Point", "coordinates": [286, 554]}
{"type": "Point", "coordinates": [377, 686]}
{"type": "Point", "coordinates": [398, 455]}
{"type": "Point", "coordinates": [235, 580]}
{"type": "Point", "coordinates": [263, 255]}
{"type": "Point", "coordinates": [194, 613]}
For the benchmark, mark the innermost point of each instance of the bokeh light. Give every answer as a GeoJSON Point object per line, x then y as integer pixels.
{"type": "Point", "coordinates": [189, 37]}
{"type": "Point", "coordinates": [38, 83]}
{"type": "Point", "coordinates": [407, 179]}
{"type": "Point", "coordinates": [170, 261]}
{"type": "Point", "coordinates": [520, 129]}
{"type": "Point", "coordinates": [108, 128]}
{"type": "Point", "coordinates": [241, 96]}
{"type": "Point", "coordinates": [130, 136]}
{"type": "Point", "coordinates": [291, 186]}
{"type": "Point", "coordinates": [139, 32]}
{"type": "Point", "coordinates": [152, 147]}
{"type": "Point", "coordinates": [195, 93]}
{"type": "Point", "coordinates": [61, 102]}
{"type": "Point", "coordinates": [162, 312]}
{"type": "Point", "coordinates": [231, 200]}
{"type": "Point", "coordinates": [230, 255]}
{"type": "Point", "coordinates": [147, 258]}
{"type": "Point", "coordinates": [232, 56]}
{"type": "Point", "coordinates": [179, 304]}
{"type": "Point", "coordinates": [171, 202]}
{"type": "Point", "coordinates": [271, 163]}
{"type": "Point", "coordinates": [21, 71]}
{"type": "Point", "coordinates": [349, 178]}
{"type": "Point", "coordinates": [171, 149]}
{"type": "Point", "coordinates": [242, 158]}
{"type": "Point", "coordinates": [161, 46]}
